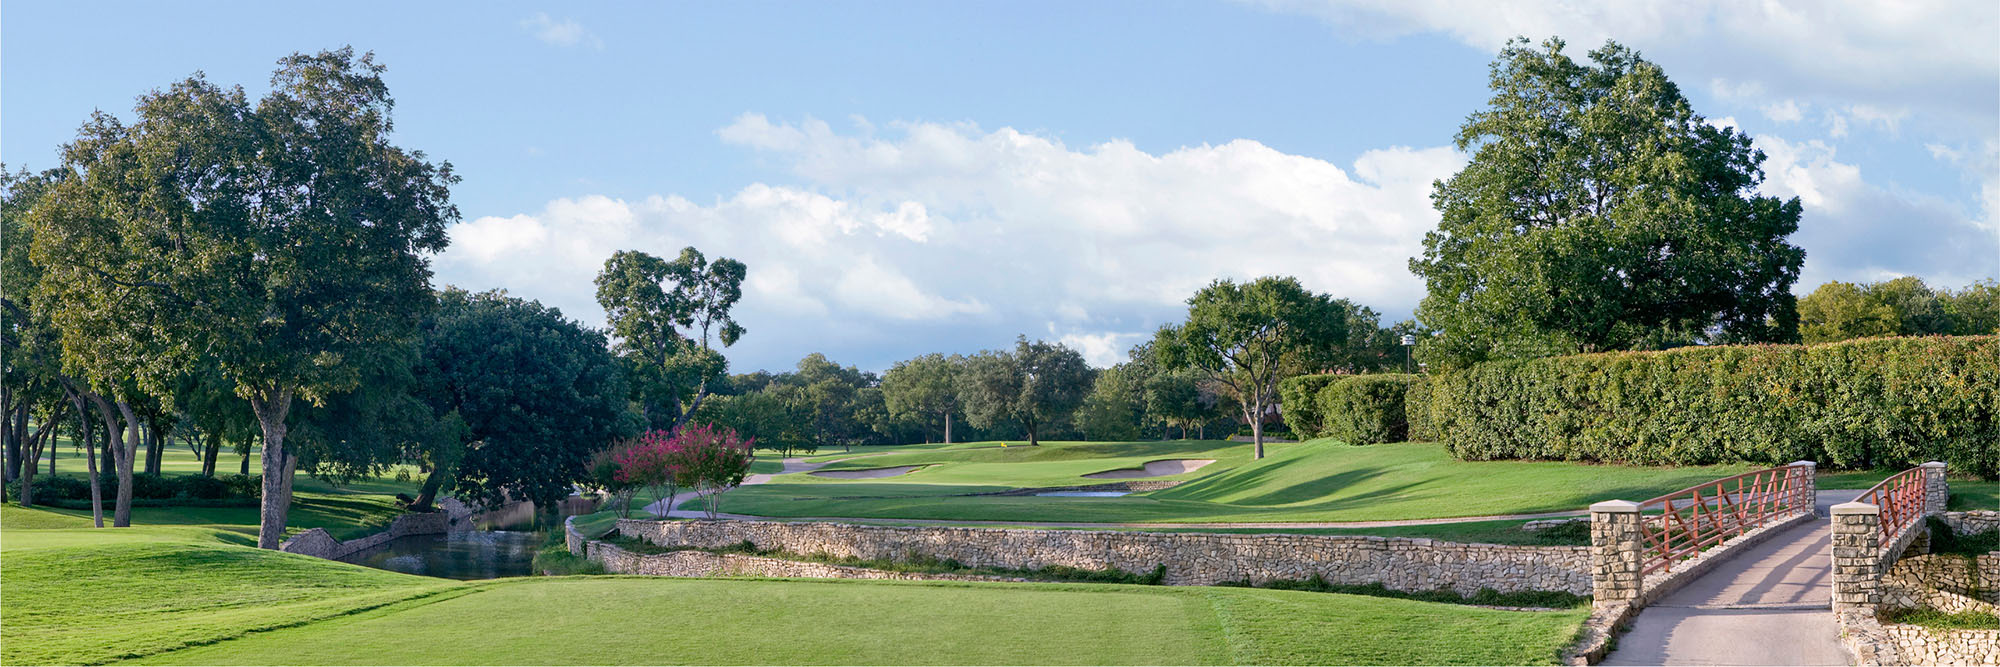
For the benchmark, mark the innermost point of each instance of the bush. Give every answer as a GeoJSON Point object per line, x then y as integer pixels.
{"type": "Point", "coordinates": [1417, 408]}
{"type": "Point", "coordinates": [249, 486]}
{"type": "Point", "coordinates": [1298, 403]}
{"type": "Point", "coordinates": [1887, 403]}
{"type": "Point", "coordinates": [59, 487]}
{"type": "Point", "coordinates": [1366, 409]}
{"type": "Point", "coordinates": [204, 488]}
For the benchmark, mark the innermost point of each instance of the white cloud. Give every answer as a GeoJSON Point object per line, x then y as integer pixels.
{"type": "Point", "coordinates": [566, 32]}
{"type": "Point", "coordinates": [1101, 349]}
{"type": "Point", "coordinates": [963, 234]}
{"type": "Point", "coordinates": [1787, 111]}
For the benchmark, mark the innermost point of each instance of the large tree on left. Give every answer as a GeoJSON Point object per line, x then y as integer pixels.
{"type": "Point", "coordinates": [281, 240]}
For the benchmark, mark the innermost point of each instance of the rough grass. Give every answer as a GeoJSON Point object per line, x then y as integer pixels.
{"type": "Point", "coordinates": [697, 621]}
{"type": "Point", "coordinates": [87, 596]}
{"type": "Point", "coordinates": [1321, 480]}
{"type": "Point", "coordinates": [1966, 494]}
{"type": "Point", "coordinates": [1938, 620]}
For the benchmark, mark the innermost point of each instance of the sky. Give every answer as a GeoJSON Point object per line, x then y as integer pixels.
{"type": "Point", "coordinates": [913, 177]}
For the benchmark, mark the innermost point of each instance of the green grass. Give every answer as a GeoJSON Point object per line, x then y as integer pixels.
{"type": "Point", "coordinates": [1321, 480]}
{"type": "Point", "coordinates": [697, 621]}
{"type": "Point", "coordinates": [1938, 620]}
{"type": "Point", "coordinates": [89, 596]}
{"type": "Point", "coordinates": [1966, 494]}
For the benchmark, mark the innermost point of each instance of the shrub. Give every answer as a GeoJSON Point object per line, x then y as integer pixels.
{"type": "Point", "coordinates": [1366, 409]}
{"type": "Point", "coordinates": [205, 488]}
{"type": "Point", "coordinates": [59, 487]}
{"type": "Point", "coordinates": [1417, 408]}
{"type": "Point", "coordinates": [248, 486]}
{"type": "Point", "coordinates": [1298, 403]}
{"type": "Point", "coordinates": [1890, 403]}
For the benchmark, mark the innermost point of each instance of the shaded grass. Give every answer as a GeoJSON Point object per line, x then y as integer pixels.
{"type": "Point", "coordinates": [1938, 620]}
{"type": "Point", "coordinates": [1485, 596]}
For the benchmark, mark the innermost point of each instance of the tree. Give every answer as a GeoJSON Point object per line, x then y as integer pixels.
{"type": "Point", "coordinates": [605, 474]}
{"type": "Point", "coordinates": [1245, 338]}
{"type": "Point", "coordinates": [1176, 398]}
{"type": "Point", "coordinates": [279, 241]}
{"type": "Point", "coordinates": [1919, 311]}
{"type": "Point", "coordinates": [1600, 212]}
{"type": "Point", "coordinates": [1037, 384]}
{"type": "Point", "coordinates": [1110, 412]}
{"type": "Point", "coordinates": [664, 317]}
{"type": "Point", "coordinates": [711, 461]}
{"type": "Point", "coordinates": [1839, 311]}
{"type": "Point", "coordinates": [924, 388]}
{"type": "Point", "coordinates": [536, 394]}
{"type": "Point", "coordinates": [1975, 310]}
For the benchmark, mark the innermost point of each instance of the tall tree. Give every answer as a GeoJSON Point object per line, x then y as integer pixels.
{"type": "Point", "coordinates": [664, 317]}
{"type": "Point", "coordinates": [1244, 338]}
{"type": "Point", "coordinates": [1839, 311]}
{"type": "Point", "coordinates": [1035, 385]}
{"type": "Point", "coordinates": [527, 394]}
{"type": "Point", "coordinates": [924, 388]}
{"type": "Point", "coordinates": [1919, 311]}
{"type": "Point", "coordinates": [1600, 212]}
{"type": "Point", "coordinates": [279, 241]}
{"type": "Point", "coordinates": [1975, 310]}
{"type": "Point", "coordinates": [1111, 411]}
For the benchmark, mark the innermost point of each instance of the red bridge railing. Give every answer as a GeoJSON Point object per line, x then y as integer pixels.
{"type": "Point", "coordinates": [1901, 499]}
{"type": "Point", "coordinates": [1679, 525]}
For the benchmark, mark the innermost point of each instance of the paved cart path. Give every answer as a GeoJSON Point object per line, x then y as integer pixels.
{"type": "Point", "coordinates": [1769, 605]}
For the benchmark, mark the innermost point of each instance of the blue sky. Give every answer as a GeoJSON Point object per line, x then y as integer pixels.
{"type": "Point", "coordinates": [913, 177]}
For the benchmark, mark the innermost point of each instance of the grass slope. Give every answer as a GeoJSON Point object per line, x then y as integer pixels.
{"type": "Point", "coordinates": [89, 596]}
{"type": "Point", "coordinates": [1321, 480]}
{"type": "Point", "coordinates": [696, 621]}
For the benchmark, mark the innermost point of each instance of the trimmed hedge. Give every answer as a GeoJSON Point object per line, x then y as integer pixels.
{"type": "Point", "coordinates": [64, 490]}
{"type": "Point", "coordinates": [1367, 409]}
{"type": "Point", "coordinates": [1417, 408]}
{"type": "Point", "coordinates": [1875, 403]}
{"type": "Point", "coordinates": [1298, 403]}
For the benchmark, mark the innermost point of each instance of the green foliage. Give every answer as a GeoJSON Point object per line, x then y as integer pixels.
{"type": "Point", "coordinates": [527, 394]}
{"type": "Point", "coordinates": [1938, 620]}
{"type": "Point", "coordinates": [1245, 338]}
{"type": "Point", "coordinates": [1114, 408]}
{"type": "Point", "coordinates": [1600, 212]}
{"type": "Point", "coordinates": [1839, 311]}
{"type": "Point", "coordinates": [1037, 384]}
{"type": "Point", "coordinates": [1944, 540]}
{"type": "Point", "coordinates": [1975, 310]}
{"type": "Point", "coordinates": [1887, 403]}
{"type": "Point", "coordinates": [73, 491]}
{"type": "Point", "coordinates": [1417, 408]}
{"type": "Point", "coordinates": [1367, 409]}
{"type": "Point", "coordinates": [1485, 596]}
{"type": "Point", "coordinates": [1901, 307]}
{"type": "Point", "coordinates": [924, 389]}
{"type": "Point", "coordinates": [664, 316]}
{"type": "Point", "coordinates": [1298, 398]}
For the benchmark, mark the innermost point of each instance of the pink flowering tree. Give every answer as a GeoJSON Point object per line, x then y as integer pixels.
{"type": "Point", "coordinates": [711, 460]}
{"type": "Point", "coordinates": [651, 463]}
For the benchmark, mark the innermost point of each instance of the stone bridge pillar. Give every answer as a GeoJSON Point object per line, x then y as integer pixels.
{"type": "Point", "coordinates": [1936, 490]}
{"type": "Point", "coordinates": [1857, 557]}
{"type": "Point", "coordinates": [1615, 551]}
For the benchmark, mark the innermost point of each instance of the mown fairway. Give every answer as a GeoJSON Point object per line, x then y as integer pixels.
{"type": "Point", "coordinates": [192, 595]}
{"type": "Point", "coordinates": [1321, 480]}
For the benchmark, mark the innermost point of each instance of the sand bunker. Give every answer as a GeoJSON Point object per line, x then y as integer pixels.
{"type": "Point", "coordinates": [865, 473]}
{"type": "Point", "coordinates": [1154, 469]}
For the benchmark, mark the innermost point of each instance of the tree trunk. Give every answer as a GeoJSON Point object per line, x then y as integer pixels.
{"type": "Point", "coordinates": [32, 451]}
{"type": "Point", "coordinates": [128, 454]}
{"type": "Point", "coordinates": [1257, 430]}
{"type": "Point", "coordinates": [271, 407]}
{"type": "Point", "coordinates": [90, 461]}
{"type": "Point", "coordinates": [209, 453]}
{"type": "Point", "coordinates": [244, 469]}
{"type": "Point", "coordinates": [156, 446]}
{"type": "Point", "coordinates": [947, 428]}
{"type": "Point", "coordinates": [1032, 440]}
{"type": "Point", "coordinates": [429, 493]}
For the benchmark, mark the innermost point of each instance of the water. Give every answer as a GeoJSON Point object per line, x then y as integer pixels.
{"type": "Point", "coordinates": [1084, 494]}
{"type": "Point", "coordinates": [471, 554]}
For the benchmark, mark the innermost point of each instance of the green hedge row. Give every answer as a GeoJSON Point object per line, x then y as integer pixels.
{"type": "Point", "coordinates": [1357, 409]}
{"type": "Point", "coordinates": [1367, 409]}
{"type": "Point", "coordinates": [1876, 403]}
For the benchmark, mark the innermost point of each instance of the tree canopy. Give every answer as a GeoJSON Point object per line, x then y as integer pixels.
{"type": "Point", "coordinates": [1247, 337]}
{"type": "Point", "coordinates": [1600, 212]}
{"type": "Point", "coordinates": [1034, 385]}
{"type": "Point", "coordinates": [664, 318]}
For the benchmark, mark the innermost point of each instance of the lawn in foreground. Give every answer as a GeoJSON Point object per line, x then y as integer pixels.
{"type": "Point", "coordinates": [1321, 480]}
{"type": "Point", "coordinates": [591, 620]}
{"type": "Point", "coordinates": [89, 595]}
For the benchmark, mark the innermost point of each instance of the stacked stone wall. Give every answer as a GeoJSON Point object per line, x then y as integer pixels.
{"type": "Point", "coordinates": [318, 543]}
{"type": "Point", "coordinates": [706, 564]}
{"type": "Point", "coordinates": [1917, 645]}
{"type": "Point", "coordinates": [1945, 582]}
{"type": "Point", "coordinates": [1973, 522]}
{"type": "Point", "coordinates": [1190, 558]}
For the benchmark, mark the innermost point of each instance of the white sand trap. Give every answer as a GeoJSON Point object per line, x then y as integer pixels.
{"type": "Point", "coordinates": [865, 473]}
{"type": "Point", "coordinates": [1154, 469]}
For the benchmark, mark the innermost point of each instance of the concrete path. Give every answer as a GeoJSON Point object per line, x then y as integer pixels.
{"type": "Point", "coordinates": [1769, 605]}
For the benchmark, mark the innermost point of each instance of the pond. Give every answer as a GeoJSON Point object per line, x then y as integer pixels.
{"type": "Point", "coordinates": [470, 554]}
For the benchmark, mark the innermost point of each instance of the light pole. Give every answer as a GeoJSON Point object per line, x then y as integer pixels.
{"type": "Point", "coordinates": [1409, 341]}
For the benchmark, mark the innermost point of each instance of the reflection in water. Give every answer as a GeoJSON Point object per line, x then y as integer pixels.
{"type": "Point", "coordinates": [485, 554]}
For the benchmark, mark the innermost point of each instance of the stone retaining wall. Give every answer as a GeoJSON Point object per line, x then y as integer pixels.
{"type": "Point", "coordinates": [704, 564]}
{"type": "Point", "coordinates": [1945, 582]}
{"type": "Point", "coordinates": [1917, 645]}
{"type": "Point", "coordinates": [1191, 558]}
{"type": "Point", "coordinates": [318, 543]}
{"type": "Point", "coordinates": [1973, 522]}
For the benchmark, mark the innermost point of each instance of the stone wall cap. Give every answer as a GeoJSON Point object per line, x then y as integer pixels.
{"type": "Point", "coordinates": [1856, 508]}
{"type": "Point", "coordinates": [1809, 464]}
{"type": "Point", "coordinates": [1616, 506]}
{"type": "Point", "coordinates": [1932, 464]}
